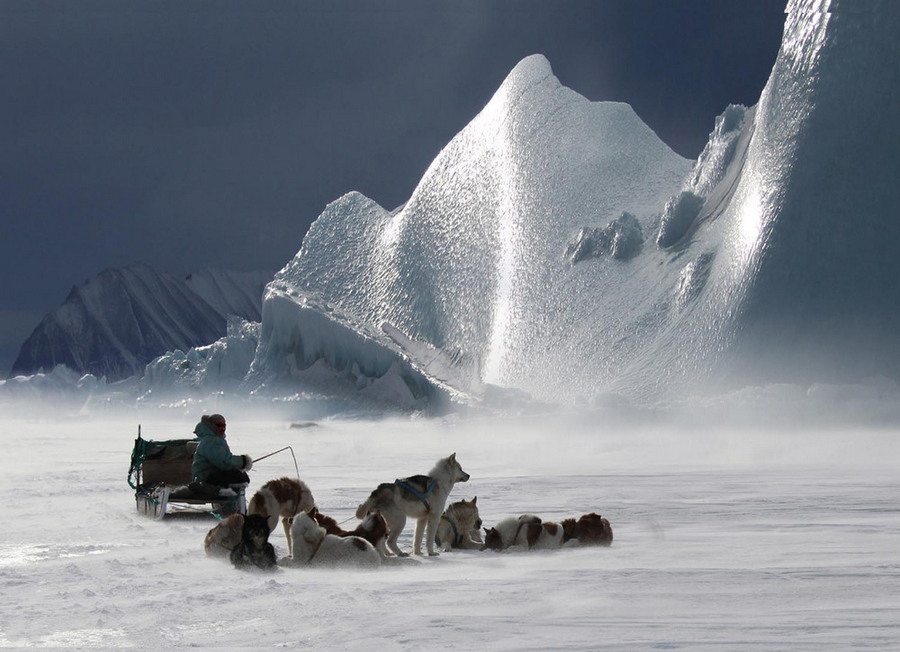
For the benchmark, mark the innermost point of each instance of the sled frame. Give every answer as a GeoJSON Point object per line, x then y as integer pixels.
{"type": "Point", "coordinates": [160, 475]}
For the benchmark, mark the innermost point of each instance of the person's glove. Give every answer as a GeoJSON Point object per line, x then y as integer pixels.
{"type": "Point", "coordinates": [248, 463]}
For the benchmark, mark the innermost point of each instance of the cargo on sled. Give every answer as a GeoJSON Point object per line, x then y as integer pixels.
{"type": "Point", "coordinates": [161, 477]}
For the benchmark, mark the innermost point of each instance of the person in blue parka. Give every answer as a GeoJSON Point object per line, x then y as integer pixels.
{"type": "Point", "coordinates": [213, 461]}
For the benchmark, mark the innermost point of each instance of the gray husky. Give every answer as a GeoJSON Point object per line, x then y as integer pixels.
{"type": "Point", "coordinates": [460, 526]}
{"type": "Point", "coordinates": [421, 497]}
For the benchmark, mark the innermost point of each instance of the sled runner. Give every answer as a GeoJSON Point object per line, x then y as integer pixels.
{"type": "Point", "coordinates": [160, 475]}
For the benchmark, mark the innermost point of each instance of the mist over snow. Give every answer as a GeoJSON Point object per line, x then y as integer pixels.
{"type": "Point", "coordinates": [725, 539]}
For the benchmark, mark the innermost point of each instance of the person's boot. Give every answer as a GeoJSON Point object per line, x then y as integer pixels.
{"type": "Point", "coordinates": [204, 489]}
{"type": "Point", "coordinates": [239, 487]}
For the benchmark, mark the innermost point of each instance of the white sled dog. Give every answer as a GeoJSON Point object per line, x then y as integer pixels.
{"type": "Point", "coordinates": [421, 497]}
{"type": "Point", "coordinates": [312, 546]}
{"type": "Point", "coordinates": [283, 497]}
{"type": "Point", "coordinates": [460, 526]}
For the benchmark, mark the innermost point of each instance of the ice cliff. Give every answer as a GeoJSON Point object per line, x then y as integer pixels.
{"type": "Point", "coordinates": [770, 259]}
{"type": "Point", "coordinates": [556, 249]}
{"type": "Point", "coordinates": [468, 283]}
{"type": "Point", "coordinates": [815, 214]}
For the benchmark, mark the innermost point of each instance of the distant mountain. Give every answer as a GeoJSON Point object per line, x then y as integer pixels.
{"type": "Point", "coordinates": [231, 293]}
{"type": "Point", "coordinates": [123, 318]}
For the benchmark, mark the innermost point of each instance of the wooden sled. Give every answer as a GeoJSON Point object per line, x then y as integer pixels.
{"type": "Point", "coordinates": [160, 475]}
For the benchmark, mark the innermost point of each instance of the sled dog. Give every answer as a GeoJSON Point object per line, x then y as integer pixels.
{"type": "Point", "coordinates": [222, 539]}
{"type": "Point", "coordinates": [313, 546]}
{"type": "Point", "coordinates": [421, 497]}
{"type": "Point", "coordinates": [589, 530]}
{"type": "Point", "coordinates": [283, 497]}
{"type": "Point", "coordinates": [525, 532]}
{"type": "Point", "coordinates": [254, 549]}
{"type": "Point", "coordinates": [460, 526]}
{"type": "Point", "coordinates": [372, 528]}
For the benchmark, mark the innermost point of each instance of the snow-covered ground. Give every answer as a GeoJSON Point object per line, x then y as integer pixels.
{"type": "Point", "coordinates": [724, 539]}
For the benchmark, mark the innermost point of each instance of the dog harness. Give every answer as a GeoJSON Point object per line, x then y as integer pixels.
{"type": "Point", "coordinates": [315, 550]}
{"type": "Point", "coordinates": [404, 483]}
{"type": "Point", "coordinates": [457, 538]}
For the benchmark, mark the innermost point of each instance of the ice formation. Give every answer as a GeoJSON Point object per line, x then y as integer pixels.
{"type": "Point", "coordinates": [556, 249]}
{"type": "Point", "coordinates": [814, 213]}
{"type": "Point", "coordinates": [472, 268]}
{"type": "Point", "coordinates": [622, 238]}
{"type": "Point", "coordinates": [773, 261]}
{"type": "Point", "coordinates": [219, 366]}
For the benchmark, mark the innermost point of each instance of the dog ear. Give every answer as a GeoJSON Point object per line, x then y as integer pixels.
{"type": "Point", "coordinates": [474, 500]}
{"type": "Point", "coordinates": [452, 458]}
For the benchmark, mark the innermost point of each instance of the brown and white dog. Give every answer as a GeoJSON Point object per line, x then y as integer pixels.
{"type": "Point", "coordinates": [525, 532]}
{"type": "Point", "coordinates": [529, 532]}
{"type": "Point", "coordinates": [284, 497]}
{"type": "Point", "coordinates": [589, 530]}
{"type": "Point", "coordinates": [372, 528]}
{"type": "Point", "coordinates": [223, 538]}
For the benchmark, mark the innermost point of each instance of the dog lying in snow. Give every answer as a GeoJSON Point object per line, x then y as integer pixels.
{"type": "Point", "coordinates": [460, 526]}
{"type": "Point", "coordinates": [589, 530]}
{"type": "Point", "coordinates": [283, 497]}
{"type": "Point", "coordinates": [313, 546]}
{"type": "Point", "coordinates": [222, 539]}
{"type": "Point", "coordinates": [254, 549]}
{"type": "Point", "coordinates": [529, 532]}
{"type": "Point", "coordinates": [372, 528]}
{"type": "Point", "coordinates": [525, 532]}
{"type": "Point", "coordinates": [421, 497]}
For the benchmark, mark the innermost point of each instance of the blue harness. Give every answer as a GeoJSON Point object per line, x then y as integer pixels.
{"type": "Point", "coordinates": [421, 495]}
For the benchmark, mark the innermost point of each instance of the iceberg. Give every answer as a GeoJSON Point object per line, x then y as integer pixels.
{"type": "Point", "coordinates": [813, 218]}
{"type": "Point", "coordinates": [773, 259]}
{"type": "Point", "coordinates": [472, 269]}
{"type": "Point", "coordinates": [556, 251]}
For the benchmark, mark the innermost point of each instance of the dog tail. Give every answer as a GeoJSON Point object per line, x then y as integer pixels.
{"type": "Point", "coordinates": [377, 500]}
{"type": "Point", "coordinates": [363, 508]}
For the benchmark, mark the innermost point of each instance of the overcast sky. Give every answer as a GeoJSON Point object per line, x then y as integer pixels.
{"type": "Point", "coordinates": [193, 134]}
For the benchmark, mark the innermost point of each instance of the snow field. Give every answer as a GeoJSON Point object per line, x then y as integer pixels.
{"type": "Point", "coordinates": [723, 540]}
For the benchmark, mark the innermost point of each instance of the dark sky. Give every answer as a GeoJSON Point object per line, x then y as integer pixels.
{"type": "Point", "coordinates": [187, 134]}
